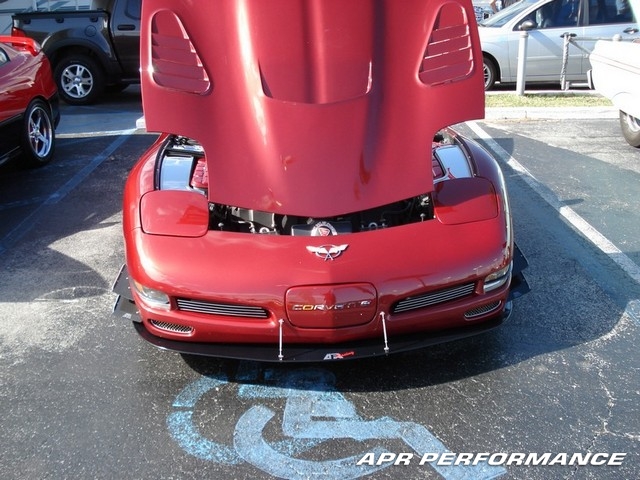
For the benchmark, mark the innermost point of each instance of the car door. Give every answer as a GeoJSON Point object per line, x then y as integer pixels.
{"type": "Point", "coordinates": [12, 102]}
{"type": "Point", "coordinates": [7, 103]}
{"type": "Point", "coordinates": [603, 20]}
{"type": "Point", "coordinates": [545, 43]}
{"type": "Point", "coordinates": [126, 34]}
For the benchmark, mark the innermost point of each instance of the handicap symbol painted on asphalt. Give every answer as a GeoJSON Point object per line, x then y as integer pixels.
{"type": "Point", "coordinates": [314, 413]}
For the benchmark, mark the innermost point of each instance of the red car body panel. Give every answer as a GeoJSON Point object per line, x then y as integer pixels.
{"type": "Point", "coordinates": [283, 94]}
{"type": "Point", "coordinates": [324, 114]}
{"type": "Point", "coordinates": [26, 76]}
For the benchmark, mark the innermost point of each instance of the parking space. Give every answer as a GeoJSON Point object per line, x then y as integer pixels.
{"type": "Point", "coordinates": [84, 397]}
{"type": "Point", "coordinates": [585, 171]}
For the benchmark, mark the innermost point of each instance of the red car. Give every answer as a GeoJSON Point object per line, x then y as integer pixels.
{"type": "Point", "coordinates": [306, 200]}
{"type": "Point", "coordinates": [29, 109]}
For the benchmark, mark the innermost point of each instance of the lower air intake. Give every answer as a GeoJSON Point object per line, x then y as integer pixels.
{"type": "Point", "coordinates": [172, 327]}
{"type": "Point", "coordinates": [483, 310]}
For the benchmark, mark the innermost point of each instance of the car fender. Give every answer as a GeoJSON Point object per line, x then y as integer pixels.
{"type": "Point", "coordinates": [496, 47]}
{"type": "Point", "coordinates": [57, 45]}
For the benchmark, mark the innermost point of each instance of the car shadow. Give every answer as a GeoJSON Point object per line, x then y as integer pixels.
{"type": "Point", "coordinates": [46, 214]}
{"type": "Point", "coordinates": [570, 305]}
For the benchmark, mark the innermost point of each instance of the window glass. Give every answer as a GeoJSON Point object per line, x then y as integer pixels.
{"type": "Point", "coordinates": [4, 58]}
{"type": "Point", "coordinates": [559, 13]}
{"type": "Point", "coordinates": [507, 14]}
{"type": "Point", "coordinates": [610, 11]}
{"type": "Point", "coordinates": [133, 9]}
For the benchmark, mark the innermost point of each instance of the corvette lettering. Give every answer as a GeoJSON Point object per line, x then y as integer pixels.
{"type": "Point", "coordinates": [309, 307]}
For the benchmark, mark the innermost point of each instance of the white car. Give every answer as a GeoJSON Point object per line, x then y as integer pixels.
{"type": "Point", "coordinates": [616, 75]}
{"type": "Point", "coordinates": [546, 22]}
{"type": "Point", "coordinates": [482, 9]}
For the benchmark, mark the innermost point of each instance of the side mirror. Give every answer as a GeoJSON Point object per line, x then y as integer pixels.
{"type": "Point", "coordinates": [528, 25]}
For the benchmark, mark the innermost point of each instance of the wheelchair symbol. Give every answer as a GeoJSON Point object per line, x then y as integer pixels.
{"type": "Point", "coordinates": [315, 412]}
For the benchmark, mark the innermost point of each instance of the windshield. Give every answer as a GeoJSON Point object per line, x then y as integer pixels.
{"type": "Point", "coordinates": [505, 15]}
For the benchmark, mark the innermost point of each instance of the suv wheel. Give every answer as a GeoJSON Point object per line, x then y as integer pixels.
{"type": "Point", "coordinates": [80, 79]}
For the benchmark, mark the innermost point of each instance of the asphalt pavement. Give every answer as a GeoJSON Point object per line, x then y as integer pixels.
{"type": "Point", "coordinates": [84, 397]}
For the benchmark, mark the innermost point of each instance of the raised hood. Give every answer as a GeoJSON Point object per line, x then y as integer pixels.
{"type": "Point", "coordinates": [313, 108]}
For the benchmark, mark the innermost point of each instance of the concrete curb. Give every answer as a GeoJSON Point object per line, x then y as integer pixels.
{"type": "Point", "coordinates": [550, 113]}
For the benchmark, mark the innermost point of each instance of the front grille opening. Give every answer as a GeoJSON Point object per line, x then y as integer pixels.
{"type": "Point", "coordinates": [226, 309]}
{"type": "Point", "coordinates": [433, 298]}
{"type": "Point", "coordinates": [172, 327]}
{"type": "Point", "coordinates": [483, 310]}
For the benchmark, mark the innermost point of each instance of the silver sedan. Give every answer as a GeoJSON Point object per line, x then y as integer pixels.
{"type": "Point", "coordinates": [546, 21]}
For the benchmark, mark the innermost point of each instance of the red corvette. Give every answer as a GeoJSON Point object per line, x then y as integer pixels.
{"type": "Point", "coordinates": [307, 200]}
{"type": "Point", "coordinates": [28, 102]}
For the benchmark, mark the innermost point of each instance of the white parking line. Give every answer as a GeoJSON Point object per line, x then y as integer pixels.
{"type": "Point", "coordinates": [106, 133]}
{"type": "Point", "coordinates": [584, 227]}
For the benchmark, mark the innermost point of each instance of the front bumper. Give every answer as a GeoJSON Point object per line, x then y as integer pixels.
{"type": "Point", "coordinates": [318, 353]}
{"type": "Point", "coordinates": [281, 351]}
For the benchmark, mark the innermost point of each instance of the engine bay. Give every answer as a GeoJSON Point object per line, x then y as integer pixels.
{"type": "Point", "coordinates": [181, 165]}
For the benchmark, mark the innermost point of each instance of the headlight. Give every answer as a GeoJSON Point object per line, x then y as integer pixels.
{"type": "Point", "coordinates": [498, 278]}
{"type": "Point", "coordinates": [155, 298]}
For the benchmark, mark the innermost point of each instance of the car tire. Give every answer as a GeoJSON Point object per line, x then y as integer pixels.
{"type": "Point", "coordinates": [630, 126]}
{"type": "Point", "coordinates": [38, 134]}
{"type": "Point", "coordinates": [80, 79]}
{"type": "Point", "coordinates": [490, 72]}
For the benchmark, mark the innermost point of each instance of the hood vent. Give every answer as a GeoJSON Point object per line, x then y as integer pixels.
{"type": "Point", "coordinates": [449, 55]}
{"type": "Point", "coordinates": [174, 60]}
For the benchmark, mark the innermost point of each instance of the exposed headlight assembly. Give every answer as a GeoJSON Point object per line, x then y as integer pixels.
{"type": "Point", "coordinates": [498, 278]}
{"type": "Point", "coordinates": [154, 298]}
